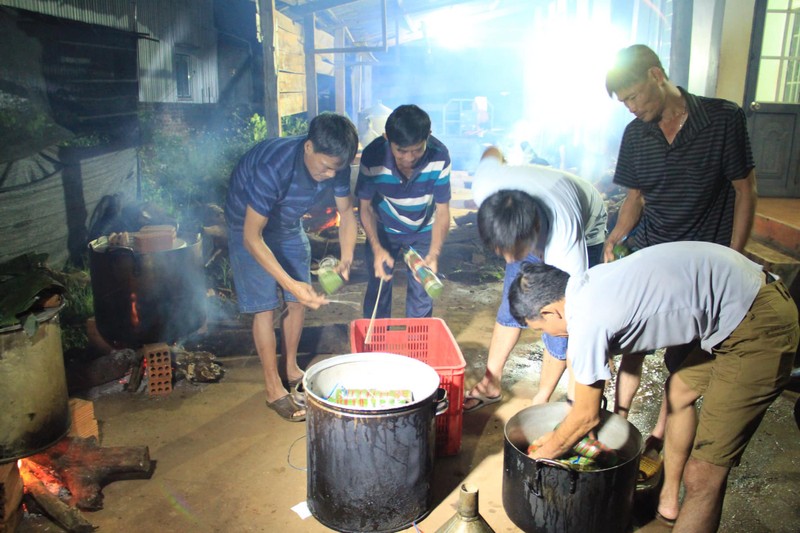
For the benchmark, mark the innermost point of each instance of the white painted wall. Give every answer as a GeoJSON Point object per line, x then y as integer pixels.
{"type": "Point", "coordinates": [734, 49]}
{"type": "Point", "coordinates": [703, 68]}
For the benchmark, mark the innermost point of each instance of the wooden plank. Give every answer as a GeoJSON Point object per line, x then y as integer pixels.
{"type": "Point", "coordinates": [291, 83]}
{"type": "Point", "coordinates": [84, 423]}
{"type": "Point", "coordinates": [292, 103]}
{"type": "Point", "coordinates": [291, 62]}
{"type": "Point", "coordinates": [290, 41]}
{"type": "Point", "coordinates": [285, 23]}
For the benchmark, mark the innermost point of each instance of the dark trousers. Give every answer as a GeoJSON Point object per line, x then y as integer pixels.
{"type": "Point", "coordinates": [418, 303]}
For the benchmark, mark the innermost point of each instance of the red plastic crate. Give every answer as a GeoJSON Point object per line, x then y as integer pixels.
{"type": "Point", "coordinates": [428, 340]}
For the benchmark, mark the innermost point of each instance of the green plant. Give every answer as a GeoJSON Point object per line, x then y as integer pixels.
{"type": "Point", "coordinates": [257, 128]}
{"type": "Point", "coordinates": [292, 125]}
{"type": "Point", "coordinates": [180, 172]}
{"type": "Point", "coordinates": [492, 273]}
{"type": "Point", "coordinates": [78, 307]}
{"type": "Point", "coordinates": [87, 140]}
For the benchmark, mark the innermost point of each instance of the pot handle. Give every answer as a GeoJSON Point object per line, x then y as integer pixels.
{"type": "Point", "coordinates": [127, 250]}
{"type": "Point", "coordinates": [536, 486]}
{"type": "Point", "coordinates": [442, 402]}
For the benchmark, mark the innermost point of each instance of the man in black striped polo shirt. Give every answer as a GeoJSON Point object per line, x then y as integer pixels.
{"type": "Point", "coordinates": [687, 164]}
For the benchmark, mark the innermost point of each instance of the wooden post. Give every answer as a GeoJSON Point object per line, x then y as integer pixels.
{"type": "Point", "coordinates": [356, 86]}
{"type": "Point", "coordinates": [309, 45]}
{"type": "Point", "coordinates": [271, 112]}
{"type": "Point", "coordinates": [339, 73]}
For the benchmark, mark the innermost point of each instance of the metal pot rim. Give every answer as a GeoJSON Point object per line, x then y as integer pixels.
{"type": "Point", "coordinates": [427, 379]}
{"type": "Point", "coordinates": [41, 317]}
{"type": "Point", "coordinates": [628, 451]}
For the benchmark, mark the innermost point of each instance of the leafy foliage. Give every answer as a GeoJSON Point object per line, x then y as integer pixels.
{"type": "Point", "coordinates": [181, 170]}
{"type": "Point", "coordinates": [292, 125]}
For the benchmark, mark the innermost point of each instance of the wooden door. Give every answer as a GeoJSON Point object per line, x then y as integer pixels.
{"type": "Point", "coordinates": [772, 96]}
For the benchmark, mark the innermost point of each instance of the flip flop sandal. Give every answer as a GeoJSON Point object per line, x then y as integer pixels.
{"type": "Point", "coordinates": [287, 408]}
{"type": "Point", "coordinates": [482, 401]}
{"type": "Point", "coordinates": [649, 466]}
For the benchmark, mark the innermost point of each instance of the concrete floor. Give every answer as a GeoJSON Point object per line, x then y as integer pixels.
{"type": "Point", "coordinates": [225, 463]}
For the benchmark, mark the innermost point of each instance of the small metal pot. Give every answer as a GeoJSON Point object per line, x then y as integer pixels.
{"type": "Point", "coordinates": [371, 469]}
{"type": "Point", "coordinates": [544, 496]}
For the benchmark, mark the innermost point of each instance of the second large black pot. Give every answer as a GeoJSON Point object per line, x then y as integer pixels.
{"type": "Point", "coordinates": [543, 496]}
{"type": "Point", "coordinates": [142, 298]}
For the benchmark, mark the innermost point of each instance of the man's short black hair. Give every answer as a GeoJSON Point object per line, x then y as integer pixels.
{"type": "Point", "coordinates": [536, 286]}
{"type": "Point", "coordinates": [631, 67]}
{"type": "Point", "coordinates": [334, 135]}
{"type": "Point", "coordinates": [509, 220]}
{"type": "Point", "coordinates": [408, 125]}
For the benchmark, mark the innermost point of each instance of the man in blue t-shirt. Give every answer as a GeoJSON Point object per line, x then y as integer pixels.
{"type": "Point", "coordinates": [403, 190]}
{"type": "Point", "coordinates": [271, 188]}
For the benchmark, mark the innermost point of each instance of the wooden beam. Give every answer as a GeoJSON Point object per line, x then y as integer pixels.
{"type": "Point", "coordinates": [312, 7]}
{"type": "Point", "coordinates": [309, 23]}
{"type": "Point", "coordinates": [339, 73]}
{"type": "Point", "coordinates": [268, 43]}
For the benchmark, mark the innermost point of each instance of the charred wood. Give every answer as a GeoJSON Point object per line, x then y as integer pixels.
{"type": "Point", "coordinates": [68, 517]}
{"type": "Point", "coordinates": [84, 467]}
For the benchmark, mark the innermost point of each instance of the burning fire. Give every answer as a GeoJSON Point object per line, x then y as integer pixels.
{"type": "Point", "coordinates": [134, 311]}
{"type": "Point", "coordinates": [32, 473]}
{"type": "Point", "coordinates": [318, 221]}
{"type": "Point", "coordinates": [333, 220]}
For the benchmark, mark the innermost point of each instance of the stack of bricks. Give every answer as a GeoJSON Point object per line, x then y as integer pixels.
{"type": "Point", "coordinates": [10, 497]}
{"type": "Point", "coordinates": [159, 369]}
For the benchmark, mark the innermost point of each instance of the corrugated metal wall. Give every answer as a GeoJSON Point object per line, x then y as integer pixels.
{"type": "Point", "coordinates": [116, 14]}
{"type": "Point", "coordinates": [171, 26]}
{"type": "Point", "coordinates": [180, 26]}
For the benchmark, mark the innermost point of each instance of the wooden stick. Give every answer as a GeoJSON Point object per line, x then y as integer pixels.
{"type": "Point", "coordinates": [68, 517]}
{"type": "Point", "coordinates": [368, 338]}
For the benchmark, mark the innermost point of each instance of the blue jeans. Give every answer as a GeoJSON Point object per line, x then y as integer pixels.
{"type": "Point", "coordinates": [418, 303]}
{"type": "Point", "coordinates": [256, 290]}
{"type": "Point", "coordinates": [557, 346]}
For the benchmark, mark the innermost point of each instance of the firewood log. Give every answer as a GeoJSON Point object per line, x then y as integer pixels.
{"type": "Point", "coordinates": [85, 467]}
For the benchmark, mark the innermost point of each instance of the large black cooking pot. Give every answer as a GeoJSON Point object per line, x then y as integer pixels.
{"type": "Point", "coordinates": [371, 469]}
{"type": "Point", "coordinates": [142, 298]}
{"type": "Point", "coordinates": [542, 496]}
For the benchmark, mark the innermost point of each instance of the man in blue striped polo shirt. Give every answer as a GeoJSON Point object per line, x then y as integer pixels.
{"type": "Point", "coordinates": [403, 190]}
{"type": "Point", "coordinates": [271, 188]}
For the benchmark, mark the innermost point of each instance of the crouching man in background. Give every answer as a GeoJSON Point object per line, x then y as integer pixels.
{"type": "Point", "coordinates": [743, 321]}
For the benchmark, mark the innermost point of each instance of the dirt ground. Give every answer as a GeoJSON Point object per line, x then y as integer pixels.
{"type": "Point", "coordinates": [225, 463]}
